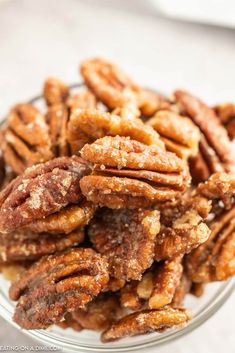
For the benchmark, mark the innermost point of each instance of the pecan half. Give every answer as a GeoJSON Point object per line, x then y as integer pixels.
{"type": "Point", "coordinates": [100, 313]}
{"type": "Point", "coordinates": [55, 91]}
{"type": "Point", "coordinates": [82, 100]}
{"type": "Point", "coordinates": [226, 114]}
{"type": "Point", "coordinates": [165, 282]}
{"type": "Point", "coordinates": [216, 144]}
{"type": "Point", "coordinates": [146, 321]}
{"type": "Point", "coordinates": [87, 125]}
{"type": "Point", "coordinates": [66, 220]}
{"type": "Point", "coordinates": [26, 138]}
{"type": "Point", "coordinates": [179, 133]}
{"type": "Point", "coordinates": [56, 285]}
{"type": "Point", "coordinates": [127, 239]}
{"type": "Point", "coordinates": [40, 191]}
{"type": "Point", "coordinates": [214, 260]}
{"type": "Point", "coordinates": [30, 246]}
{"type": "Point", "coordinates": [130, 174]}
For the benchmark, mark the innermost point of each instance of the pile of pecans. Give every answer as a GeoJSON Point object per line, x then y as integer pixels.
{"type": "Point", "coordinates": [115, 204]}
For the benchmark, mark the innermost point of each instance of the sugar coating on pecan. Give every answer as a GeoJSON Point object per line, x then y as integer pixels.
{"type": "Point", "coordinates": [214, 133]}
{"type": "Point", "coordinates": [108, 82]}
{"type": "Point", "coordinates": [100, 313]}
{"type": "Point", "coordinates": [186, 233]}
{"type": "Point", "coordinates": [165, 282]}
{"type": "Point", "coordinates": [129, 297]}
{"type": "Point", "coordinates": [56, 285]}
{"type": "Point", "coordinates": [21, 246]}
{"type": "Point", "coordinates": [82, 100]}
{"type": "Point", "coordinates": [90, 124]}
{"type": "Point", "coordinates": [214, 260]}
{"type": "Point", "coordinates": [55, 91]}
{"type": "Point", "coordinates": [40, 191]}
{"type": "Point", "coordinates": [146, 321]}
{"type": "Point", "coordinates": [226, 114]}
{"type": "Point", "coordinates": [179, 133]}
{"type": "Point", "coordinates": [130, 174]}
{"type": "Point", "coordinates": [26, 138]}
{"type": "Point", "coordinates": [127, 239]}
{"type": "Point", "coordinates": [57, 119]}
{"type": "Point", "coordinates": [66, 220]}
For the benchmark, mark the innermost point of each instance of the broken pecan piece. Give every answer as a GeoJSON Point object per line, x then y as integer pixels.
{"type": "Point", "coordinates": [58, 284]}
{"type": "Point", "coordinates": [40, 191]}
{"type": "Point", "coordinates": [87, 125]}
{"type": "Point", "coordinates": [21, 246]}
{"type": "Point", "coordinates": [216, 144]}
{"type": "Point", "coordinates": [66, 220]}
{"type": "Point", "coordinates": [179, 133]}
{"type": "Point", "coordinates": [165, 282]}
{"type": "Point", "coordinates": [226, 114]}
{"type": "Point", "coordinates": [146, 321]}
{"type": "Point", "coordinates": [100, 313]}
{"type": "Point", "coordinates": [127, 239]}
{"type": "Point", "coordinates": [26, 138]}
{"type": "Point", "coordinates": [214, 260]}
{"type": "Point", "coordinates": [130, 174]}
{"type": "Point", "coordinates": [55, 91]}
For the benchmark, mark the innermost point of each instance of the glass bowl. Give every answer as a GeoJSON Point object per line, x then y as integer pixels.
{"type": "Point", "coordinates": [202, 309]}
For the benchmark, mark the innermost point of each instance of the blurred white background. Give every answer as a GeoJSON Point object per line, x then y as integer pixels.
{"type": "Point", "coordinates": [50, 37]}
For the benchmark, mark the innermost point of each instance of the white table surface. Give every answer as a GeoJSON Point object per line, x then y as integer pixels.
{"type": "Point", "coordinates": [41, 38]}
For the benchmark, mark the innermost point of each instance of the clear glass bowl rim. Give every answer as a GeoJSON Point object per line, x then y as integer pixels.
{"type": "Point", "coordinates": [202, 316]}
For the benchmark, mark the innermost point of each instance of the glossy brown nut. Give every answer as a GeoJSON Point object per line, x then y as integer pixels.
{"type": "Point", "coordinates": [56, 285]}
{"type": "Point", "coordinates": [65, 221]}
{"type": "Point", "coordinates": [40, 191]}
{"type": "Point", "coordinates": [57, 119]}
{"type": "Point", "coordinates": [30, 246]}
{"type": "Point", "coordinates": [165, 282]}
{"type": "Point", "coordinates": [89, 125]}
{"type": "Point", "coordinates": [82, 100]}
{"type": "Point", "coordinates": [146, 321]}
{"type": "Point", "coordinates": [127, 239]}
{"type": "Point", "coordinates": [214, 260]}
{"type": "Point", "coordinates": [55, 91]}
{"type": "Point", "coordinates": [129, 173]}
{"type": "Point", "coordinates": [108, 82]}
{"type": "Point", "coordinates": [226, 114]}
{"type": "Point", "coordinates": [100, 313]}
{"type": "Point", "coordinates": [214, 132]}
{"type": "Point", "coordinates": [185, 234]}
{"type": "Point", "coordinates": [179, 133]}
{"type": "Point", "coordinates": [26, 138]}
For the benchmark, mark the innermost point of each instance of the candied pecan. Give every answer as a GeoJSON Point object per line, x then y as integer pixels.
{"type": "Point", "coordinates": [100, 313]}
{"type": "Point", "coordinates": [114, 284]}
{"type": "Point", "coordinates": [150, 102]}
{"type": "Point", "coordinates": [186, 233]}
{"type": "Point", "coordinates": [70, 322]}
{"type": "Point", "coordinates": [66, 220]}
{"type": "Point", "coordinates": [214, 260]}
{"type": "Point", "coordinates": [197, 289]}
{"type": "Point", "coordinates": [57, 118]}
{"type": "Point", "coordinates": [129, 297]}
{"type": "Point", "coordinates": [30, 246]}
{"type": "Point", "coordinates": [82, 100]}
{"type": "Point", "coordinates": [58, 284]}
{"type": "Point", "coordinates": [110, 84]}
{"type": "Point", "coordinates": [87, 125]}
{"type": "Point", "coordinates": [40, 191]}
{"type": "Point", "coordinates": [146, 321]}
{"type": "Point", "coordinates": [127, 239]}
{"type": "Point", "coordinates": [219, 187]}
{"type": "Point", "coordinates": [214, 133]}
{"type": "Point", "coordinates": [132, 175]}
{"type": "Point", "coordinates": [26, 138]}
{"type": "Point", "coordinates": [183, 288]}
{"type": "Point", "coordinates": [55, 91]}
{"type": "Point", "coordinates": [226, 114]}
{"type": "Point", "coordinates": [179, 133]}
{"type": "Point", "coordinates": [165, 282]}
